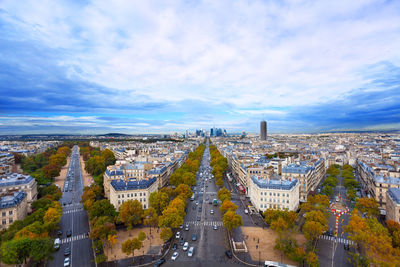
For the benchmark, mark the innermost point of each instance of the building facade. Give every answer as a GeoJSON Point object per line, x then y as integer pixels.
{"type": "Point", "coordinates": [393, 204]}
{"type": "Point", "coordinates": [263, 130]}
{"type": "Point", "coordinates": [121, 191]}
{"type": "Point", "coordinates": [15, 182]}
{"type": "Point", "coordinates": [274, 193]}
{"type": "Point", "coordinates": [13, 207]}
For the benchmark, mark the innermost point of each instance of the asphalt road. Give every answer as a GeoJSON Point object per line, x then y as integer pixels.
{"type": "Point", "coordinates": [210, 246]}
{"type": "Point", "coordinates": [75, 219]}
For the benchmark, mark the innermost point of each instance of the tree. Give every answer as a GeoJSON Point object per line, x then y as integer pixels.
{"type": "Point", "coordinates": [231, 220]}
{"type": "Point", "coordinates": [15, 251]}
{"type": "Point", "coordinates": [112, 240]}
{"type": "Point", "coordinates": [331, 181]}
{"type": "Point", "coordinates": [64, 150]}
{"type": "Point", "coordinates": [108, 157]}
{"type": "Point", "coordinates": [41, 249]}
{"type": "Point", "coordinates": [58, 159]}
{"type": "Point", "coordinates": [223, 194]}
{"type": "Point", "coordinates": [227, 205]}
{"type": "Point", "coordinates": [141, 236]}
{"type": "Point", "coordinates": [327, 190]}
{"type": "Point", "coordinates": [317, 216]}
{"type": "Point", "coordinates": [101, 228]}
{"type": "Point", "coordinates": [279, 225]}
{"type": "Point", "coordinates": [219, 182]}
{"type": "Point", "coordinates": [312, 230]}
{"type": "Point", "coordinates": [159, 201]}
{"type": "Point", "coordinates": [165, 233]}
{"type": "Point", "coordinates": [131, 213]}
{"type": "Point", "coordinates": [130, 245]}
{"type": "Point", "coordinates": [184, 191]}
{"type": "Point", "coordinates": [150, 217]}
{"type": "Point", "coordinates": [52, 217]}
{"type": "Point", "coordinates": [171, 217]}
{"type": "Point", "coordinates": [51, 170]}
{"type": "Point", "coordinates": [368, 206]}
{"type": "Point", "coordinates": [312, 259]}
{"type": "Point", "coordinates": [102, 208]}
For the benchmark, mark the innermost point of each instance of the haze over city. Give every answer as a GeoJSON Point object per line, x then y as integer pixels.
{"type": "Point", "coordinates": [165, 66]}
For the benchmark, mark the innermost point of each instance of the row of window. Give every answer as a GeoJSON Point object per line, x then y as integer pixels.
{"type": "Point", "coordinates": [274, 194]}
{"type": "Point", "coordinates": [274, 200]}
{"type": "Point", "coordinates": [122, 201]}
{"type": "Point", "coordinates": [14, 188]}
{"type": "Point", "coordinates": [4, 213]}
{"type": "Point", "coordinates": [4, 222]}
{"type": "Point", "coordinates": [273, 206]}
{"type": "Point", "coordinates": [132, 195]}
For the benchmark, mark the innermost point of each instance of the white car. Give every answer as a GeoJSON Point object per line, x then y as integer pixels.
{"type": "Point", "coordinates": [185, 246]}
{"type": "Point", "coordinates": [174, 255]}
{"type": "Point", "coordinates": [191, 251]}
{"type": "Point", "coordinates": [215, 227]}
{"type": "Point", "coordinates": [246, 211]}
{"type": "Point", "coordinates": [212, 211]}
{"type": "Point", "coordinates": [66, 262]}
{"type": "Point", "coordinates": [178, 235]}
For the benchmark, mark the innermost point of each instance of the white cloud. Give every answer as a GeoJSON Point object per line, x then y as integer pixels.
{"type": "Point", "coordinates": [251, 55]}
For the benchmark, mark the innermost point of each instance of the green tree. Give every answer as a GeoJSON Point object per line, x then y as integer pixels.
{"type": "Point", "coordinates": [130, 245]}
{"type": "Point", "coordinates": [108, 157]}
{"type": "Point", "coordinates": [224, 194]}
{"type": "Point", "coordinates": [15, 251]}
{"type": "Point", "coordinates": [232, 220]}
{"type": "Point", "coordinates": [102, 208]}
{"type": "Point", "coordinates": [165, 233]}
{"type": "Point", "coordinates": [159, 201]}
{"type": "Point", "coordinates": [131, 213]}
{"type": "Point", "coordinates": [327, 190]}
{"type": "Point", "coordinates": [150, 217]}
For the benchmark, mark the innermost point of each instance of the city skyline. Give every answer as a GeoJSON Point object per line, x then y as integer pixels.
{"type": "Point", "coordinates": [152, 67]}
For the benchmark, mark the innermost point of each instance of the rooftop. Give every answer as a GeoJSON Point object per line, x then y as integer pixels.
{"type": "Point", "coordinates": [394, 193]}
{"type": "Point", "coordinates": [120, 185]}
{"type": "Point", "coordinates": [14, 179]}
{"type": "Point", "coordinates": [12, 199]}
{"type": "Point", "coordinates": [274, 183]}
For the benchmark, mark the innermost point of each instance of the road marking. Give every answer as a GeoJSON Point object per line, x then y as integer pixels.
{"type": "Point", "coordinates": [339, 240]}
{"type": "Point", "coordinates": [72, 211]}
{"type": "Point", "coordinates": [73, 238]}
{"type": "Point", "coordinates": [206, 223]}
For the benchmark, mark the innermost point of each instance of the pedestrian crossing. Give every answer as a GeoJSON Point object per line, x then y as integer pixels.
{"type": "Point", "coordinates": [72, 211]}
{"type": "Point", "coordinates": [206, 223]}
{"type": "Point", "coordinates": [338, 239]}
{"type": "Point", "coordinates": [73, 238]}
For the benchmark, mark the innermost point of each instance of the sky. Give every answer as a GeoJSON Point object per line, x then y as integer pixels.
{"type": "Point", "coordinates": [92, 67]}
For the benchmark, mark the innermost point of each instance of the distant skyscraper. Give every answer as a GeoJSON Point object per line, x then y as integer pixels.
{"type": "Point", "coordinates": [263, 130]}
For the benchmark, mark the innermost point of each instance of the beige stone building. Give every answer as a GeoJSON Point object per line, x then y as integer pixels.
{"type": "Point", "coordinates": [16, 182]}
{"type": "Point", "coordinates": [13, 207]}
{"type": "Point", "coordinates": [393, 204]}
{"type": "Point", "coordinates": [274, 193]}
{"type": "Point", "coordinates": [121, 191]}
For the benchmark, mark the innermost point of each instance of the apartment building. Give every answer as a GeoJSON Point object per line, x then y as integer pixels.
{"type": "Point", "coordinates": [308, 173]}
{"type": "Point", "coordinates": [15, 182]}
{"type": "Point", "coordinates": [376, 180]}
{"type": "Point", "coordinates": [121, 191]}
{"type": "Point", "coordinates": [13, 207]}
{"type": "Point", "coordinates": [274, 193]}
{"type": "Point", "coordinates": [393, 204]}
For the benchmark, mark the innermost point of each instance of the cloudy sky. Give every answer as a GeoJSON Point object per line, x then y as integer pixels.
{"type": "Point", "coordinates": [166, 66]}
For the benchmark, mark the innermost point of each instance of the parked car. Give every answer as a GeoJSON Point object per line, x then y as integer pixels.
{"type": "Point", "coordinates": [181, 241]}
{"type": "Point", "coordinates": [175, 255]}
{"type": "Point", "coordinates": [194, 237]}
{"type": "Point", "coordinates": [175, 246]}
{"type": "Point", "coordinates": [246, 211]}
{"type": "Point", "coordinates": [191, 252]}
{"type": "Point", "coordinates": [67, 251]}
{"type": "Point", "coordinates": [228, 253]}
{"type": "Point", "coordinates": [59, 232]}
{"type": "Point", "coordinates": [66, 262]}
{"type": "Point", "coordinates": [181, 226]}
{"type": "Point", "coordinates": [185, 246]}
{"type": "Point", "coordinates": [159, 262]}
{"type": "Point", "coordinates": [178, 235]}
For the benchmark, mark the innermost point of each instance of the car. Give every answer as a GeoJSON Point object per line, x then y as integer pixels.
{"type": "Point", "coordinates": [194, 237]}
{"type": "Point", "coordinates": [187, 227]}
{"type": "Point", "coordinates": [66, 262]}
{"type": "Point", "coordinates": [197, 203]}
{"type": "Point", "coordinates": [215, 227]}
{"type": "Point", "coordinates": [70, 202]}
{"type": "Point", "coordinates": [191, 252]}
{"type": "Point", "coordinates": [198, 218]}
{"type": "Point", "coordinates": [185, 246]}
{"type": "Point", "coordinates": [181, 226]}
{"type": "Point", "coordinates": [175, 246]}
{"type": "Point", "coordinates": [68, 233]}
{"type": "Point", "coordinates": [159, 262]}
{"type": "Point", "coordinates": [174, 255]}
{"type": "Point", "coordinates": [181, 241]}
{"type": "Point", "coordinates": [211, 211]}
{"type": "Point", "coordinates": [178, 235]}
{"type": "Point", "coordinates": [330, 232]}
{"type": "Point", "coordinates": [207, 198]}
{"type": "Point", "coordinates": [200, 209]}
{"type": "Point", "coordinates": [194, 207]}
{"type": "Point", "coordinates": [59, 232]}
{"type": "Point", "coordinates": [346, 246]}
{"type": "Point", "coordinates": [210, 202]}
{"type": "Point", "coordinates": [67, 251]}
{"type": "Point", "coordinates": [246, 211]}
{"type": "Point", "coordinates": [228, 253]}
{"type": "Point", "coordinates": [201, 201]}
